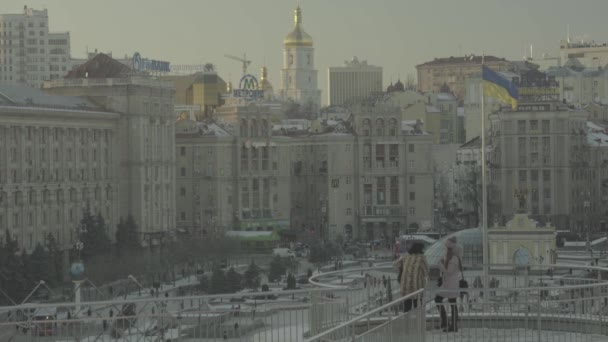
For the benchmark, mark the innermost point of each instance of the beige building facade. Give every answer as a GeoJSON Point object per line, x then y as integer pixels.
{"type": "Point", "coordinates": [54, 164]}
{"type": "Point", "coordinates": [435, 75]}
{"type": "Point", "coordinates": [313, 179]}
{"type": "Point", "coordinates": [146, 134]}
{"type": "Point", "coordinates": [538, 151]}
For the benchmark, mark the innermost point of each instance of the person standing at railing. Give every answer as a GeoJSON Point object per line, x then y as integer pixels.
{"type": "Point", "coordinates": [450, 268]}
{"type": "Point", "coordinates": [413, 273]}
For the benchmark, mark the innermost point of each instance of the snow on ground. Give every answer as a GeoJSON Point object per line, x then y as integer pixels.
{"type": "Point", "coordinates": [510, 335]}
{"type": "Point", "coordinates": [294, 333]}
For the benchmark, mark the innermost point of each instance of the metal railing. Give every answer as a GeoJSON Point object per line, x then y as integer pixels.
{"type": "Point", "coordinates": [246, 316]}
{"type": "Point", "coordinates": [400, 320]}
{"type": "Point", "coordinates": [541, 303]}
{"type": "Point", "coordinates": [549, 303]}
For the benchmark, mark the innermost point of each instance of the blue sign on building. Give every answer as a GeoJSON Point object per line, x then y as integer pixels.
{"type": "Point", "coordinates": [248, 87]}
{"type": "Point", "coordinates": [144, 64]}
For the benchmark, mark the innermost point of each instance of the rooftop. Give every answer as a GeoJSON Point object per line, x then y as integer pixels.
{"type": "Point", "coordinates": [100, 66]}
{"type": "Point", "coordinates": [597, 135]}
{"type": "Point", "coordinates": [22, 95]}
{"type": "Point", "coordinates": [472, 59]}
{"type": "Point", "coordinates": [473, 143]}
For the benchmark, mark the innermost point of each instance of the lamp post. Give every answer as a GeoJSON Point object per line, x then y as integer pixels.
{"type": "Point", "coordinates": [77, 270]}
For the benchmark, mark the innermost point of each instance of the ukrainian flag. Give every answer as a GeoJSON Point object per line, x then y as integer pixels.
{"type": "Point", "coordinates": [496, 86]}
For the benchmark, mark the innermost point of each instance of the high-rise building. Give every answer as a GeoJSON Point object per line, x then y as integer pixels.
{"type": "Point", "coordinates": [299, 76]}
{"type": "Point", "coordinates": [354, 81]}
{"type": "Point", "coordinates": [449, 74]}
{"type": "Point", "coordinates": [29, 52]}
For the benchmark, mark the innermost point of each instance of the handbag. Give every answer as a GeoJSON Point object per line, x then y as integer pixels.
{"type": "Point", "coordinates": [463, 284]}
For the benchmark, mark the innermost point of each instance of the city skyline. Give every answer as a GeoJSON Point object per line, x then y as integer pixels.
{"type": "Point", "coordinates": [258, 31]}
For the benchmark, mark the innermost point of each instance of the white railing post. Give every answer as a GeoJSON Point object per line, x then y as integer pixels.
{"type": "Point", "coordinates": [538, 317]}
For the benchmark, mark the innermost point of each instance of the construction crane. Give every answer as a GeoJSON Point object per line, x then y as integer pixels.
{"type": "Point", "coordinates": [243, 60]}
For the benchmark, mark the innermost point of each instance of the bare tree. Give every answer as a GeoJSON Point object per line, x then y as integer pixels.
{"type": "Point", "coordinates": [410, 82]}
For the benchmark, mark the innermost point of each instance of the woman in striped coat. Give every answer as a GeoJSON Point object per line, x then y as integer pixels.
{"type": "Point", "coordinates": [413, 271]}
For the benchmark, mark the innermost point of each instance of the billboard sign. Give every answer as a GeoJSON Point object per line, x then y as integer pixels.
{"type": "Point", "coordinates": [538, 94]}
{"type": "Point", "coordinates": [144, 64]}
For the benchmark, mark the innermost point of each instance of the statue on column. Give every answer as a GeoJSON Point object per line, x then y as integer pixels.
{"type": "Point", "coordinates": [521, 195]}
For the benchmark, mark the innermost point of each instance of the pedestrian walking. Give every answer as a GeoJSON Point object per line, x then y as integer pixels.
{"type": "Point", "coordinates": [413, 273]}
{"type": "Point", "coordinates": [450, 267]}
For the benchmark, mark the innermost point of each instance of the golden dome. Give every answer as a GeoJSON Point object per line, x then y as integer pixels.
{"type": "Point", "coordinates": [297, 37]}
{"type": "Point", "coordinates": [264, 82]}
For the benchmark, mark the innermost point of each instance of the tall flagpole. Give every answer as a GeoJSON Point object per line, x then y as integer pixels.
{"type": "Point", "coordinates": [484, 196]}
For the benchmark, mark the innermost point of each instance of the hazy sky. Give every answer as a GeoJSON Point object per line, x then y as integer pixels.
{"type": "Point", "coordinates": [394, 34]}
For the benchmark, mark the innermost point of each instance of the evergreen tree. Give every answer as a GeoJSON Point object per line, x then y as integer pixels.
{"type": "Point", "coordinates": [40, 264]}
{"type": "Point", "coordinates": [234, 281]}
{"type": "Point", "coordinates": [55, 258]}
{"type": "Point", "coordinates": [277, 269]}
{"type": "Point", "coordinates": [218, 281]}
{"type": "Point", "coordinates": [11, 267]}
{"type": "Point", "coordinates": [126, 235]}
{"type": "Point", "coordinates": [252, 276]}
{"type": "Point", "coordinates": [93, 234]}
{"type": "Point", "coordinates": [29, 280]}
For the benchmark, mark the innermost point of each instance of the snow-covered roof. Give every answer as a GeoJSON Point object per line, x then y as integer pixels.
{"type": "Point", "coordinates": [584, 243]}
{"type": "Point", "coordinates": [446, 97]}
{"type": "Point", "coordinates": [212, 128]}
{"type": "Point", "coordinates": [597, 135]}
{"type": "Point", "coordinates": [22, 95]}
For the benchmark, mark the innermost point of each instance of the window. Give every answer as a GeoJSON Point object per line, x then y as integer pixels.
{"type": "Point", "coordinates": [412, 179]}
{"type": "Point", "coordinates": [182, 172]}
{"type": "Point", "coordinates": [522, 176]}
{"type": "Point", "coordinates": [546, 175]}
{"type": "Point", "coordinates": [545, 127]}
{"type": "Point", "coordinates": [534, 175]}
{"type": "Point", "coordinates": [521, 127]}
{"type": "Point", "coordinates": [182, 191]}
{"type": "Point", "coordinates": [411, 148]}
{"type": "Point", "coordinates": [183, 215]}
{"type": "Point", "coordinates": [412, 211]}
{"type": "Point", "coordinates": [411, 164]}
{"type": "Point", "coordinates": [182, 151]}
{"type": "Point", "coordinates": [533, 125]}
{"type": "Point", "coordinates": [380, 155]}
{"type": "Point", "coordinates": [381, 190]}
{"type": "Point", "coordinates": [290, 63]}
{"type": "Point", "coordinates": [394, 191]}
{"type": "Point", "coordinates": [412, 196]}
{"type": "Point", "coordinates": [349, 211]}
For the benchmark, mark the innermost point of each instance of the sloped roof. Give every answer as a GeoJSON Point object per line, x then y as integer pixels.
{"type": "Point", "coordinates": [473, 143]}
{"type": "Point", "coordinates": [100, 66]}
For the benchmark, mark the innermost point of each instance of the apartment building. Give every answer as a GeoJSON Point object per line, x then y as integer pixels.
{"type": "Point", "coordinates": [29, 52]}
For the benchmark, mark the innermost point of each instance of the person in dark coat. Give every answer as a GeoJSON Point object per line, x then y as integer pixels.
{"type": "Point", "coordinates": [413, 273]}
